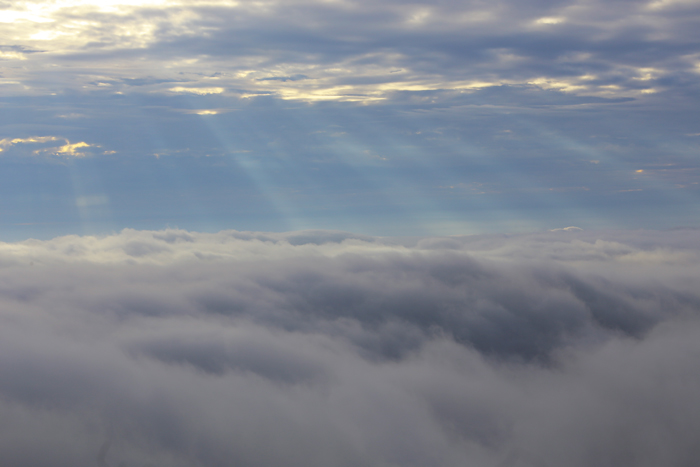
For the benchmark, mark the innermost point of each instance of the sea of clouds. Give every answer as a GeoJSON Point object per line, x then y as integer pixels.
{"type": "Point", "coordinates": [175, 348]}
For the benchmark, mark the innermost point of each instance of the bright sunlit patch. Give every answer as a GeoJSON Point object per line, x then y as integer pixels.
{"type": "Point", "coordinates": [30, 13]}
{"type": "Point", "coordinates": [72, 149]}
{"type": "Point", "coordinates": [550, 20]}
{"type": "Point", "coordinates": [198, 91]}
{"type": "Point", "coordinates": [6, 142]}
{"type": "Point", "coordinates": [477, 85]}
{"type": "Point", "coordinates": [113, 23]}
{"type": "Point", "coordinates": [646, 74]}
{"type": "Point", "coordinates": [66, 149]}
{"type": "Point", "coordinates": [336, 93]}
{"type": "Point", "coordinates": [661, 4]}
{"type": "Point", "coordinates": [41, 11]}
{"type": "Point", "coordinates": [370, 92]}
{"type": "Point", "coordinates": [12, 55]}
{"type": "Point", "coordinates": [560, 85]}
{"type": "Point", "coordinates": [46, 35]}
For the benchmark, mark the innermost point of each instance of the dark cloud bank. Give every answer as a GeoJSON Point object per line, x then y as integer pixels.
{"type": "Point", "coordinates": [174, 348]}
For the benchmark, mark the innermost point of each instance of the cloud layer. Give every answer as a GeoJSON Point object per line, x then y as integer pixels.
{"type": "Point", "coordinates": [327, 348]}
{"type": "Point", "coordinates": [350, 50]}
{"type": "Point", "coordinates": [356, 50]}
{"type": "Point", "coordinates": [382, 117]}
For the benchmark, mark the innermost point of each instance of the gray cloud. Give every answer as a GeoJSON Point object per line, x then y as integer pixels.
{"type": "Point", "coordinates": [325, 348]}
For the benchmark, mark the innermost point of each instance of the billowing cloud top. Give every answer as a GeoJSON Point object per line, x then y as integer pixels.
{"type": "Point", "coordinates": [381, 117]}
{"type": "Point", "coordinates": [325, 348]}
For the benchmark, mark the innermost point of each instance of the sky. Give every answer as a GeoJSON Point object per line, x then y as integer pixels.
{"type": "Point", "coordinates": [380, 118]}
{"type": "Point", "coordinates": [349, 233]}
